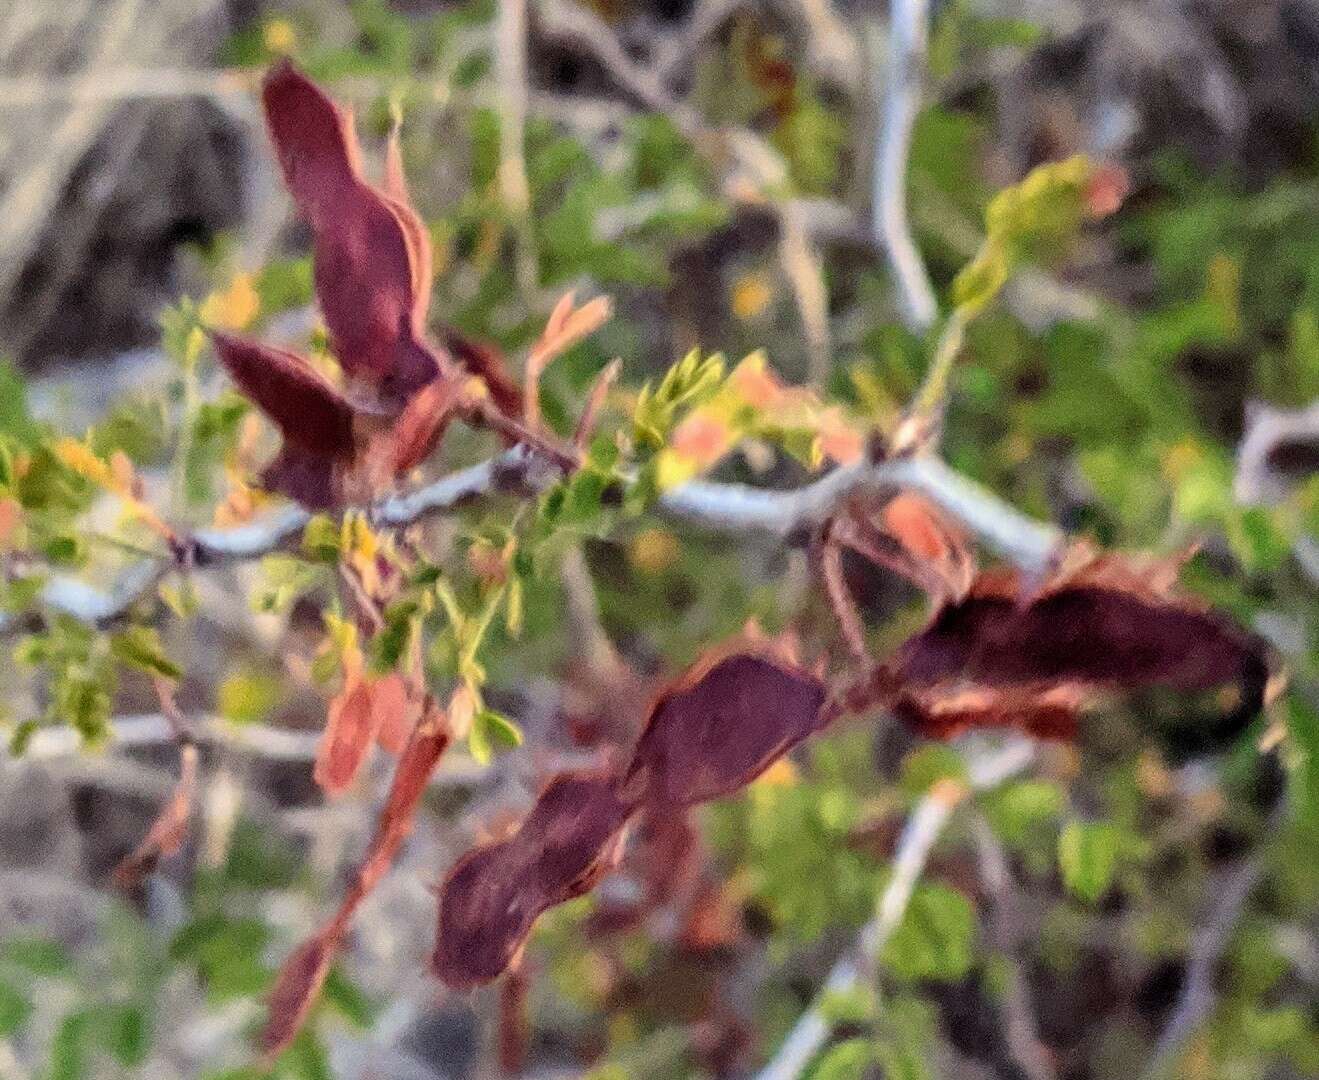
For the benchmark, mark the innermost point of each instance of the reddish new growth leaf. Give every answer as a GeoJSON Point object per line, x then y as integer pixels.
{"type": "Point", "coordinates": [908, 536]}
{"type": "Point", "coordinates": [372, 263]}
{"type": "Point", "coordinates": [367, 710]}
{"type": "Point", "coordinates": [303, 973]}
{"type": "Point", "coordinates": [1004, 655]}
{"type": "Point", "coordinates": [715, 731]}
{"type": "Point", "coordinates": [170, 828]}
{"type": "Point", "coordinates": [721, 727]}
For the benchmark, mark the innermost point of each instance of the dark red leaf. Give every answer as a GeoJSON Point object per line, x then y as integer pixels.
{"type": "Point", "coordinates": [372, 255]}
{"type": "Point", "coordinates": [315, 482]}
{"type": "Point", "coordinates": [310, 413]}
{"type": "Point", "coordinates": [488, 362]}
{"type": "Point", "coordinates": [494, 894]}
{"type": "Point", "coordinates": [1108, 624]}
{"type": "Point", "coordinates": [721, 727]}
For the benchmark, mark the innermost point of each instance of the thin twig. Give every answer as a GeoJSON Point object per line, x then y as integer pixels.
{"type": "Point", "coordinates": [1210, 940]}
{"type": "Point", "coordinates": [1019, 1029]}
{"type": "Point", "coordinates": [514, 190]}
{"type": "Point", "coordinates": [918, 838]}
{"type": "Point", "coordinates": [801, 264]}
{"type": "Point", "coordinates": [583, 610]}
{"type": "Point", "coordinates": [841, 601]}
{"type": "Point", "coordinates": [908, 36]}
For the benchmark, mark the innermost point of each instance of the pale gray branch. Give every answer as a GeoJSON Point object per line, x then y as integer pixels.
{"type": "Point", "coordinates": [908, 36]}
{"type": "Point", "coordinates": [923, 829]}
{"type": "Point", "coordinates": [1211, 938]}
{"type": "Point", "coordinates": [1031, 545]}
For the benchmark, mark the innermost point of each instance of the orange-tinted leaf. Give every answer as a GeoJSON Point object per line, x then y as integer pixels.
{"type": "Point", "coordinates": [491, 898]}
{"type": "Point", "coordinates": [421, 425]}
{"type": "Point", "coordinates": [566, 326]}
{"type": "Point", "coordinates": [723, 725]}
{"type": "Point", "coordinates": [595, 403]}
{"type": "Point", "coordinates": [422, 752]}
{"type": "Point", "coordinates": [350, 729]}
{"type": "Point", "coordinates": [303, 973]}
{"type": "Point", "coordinates": [11, 513]}
{"type": "Point", "coordinates": [299, 981]}
{"type": "Point", "coordinates": [1048, 714]}
{"type": "Point", "coordinates": [395, 712]}
{"type": "Point", "coordinates": [170, 828]}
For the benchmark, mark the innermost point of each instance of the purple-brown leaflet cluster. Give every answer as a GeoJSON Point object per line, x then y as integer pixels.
{"type": "Point", "coordinates": [373, 269]}
{"type": "Point", "coordinates": [1002, 655]}
{"type": "Point", "coordinates": [712, 734]}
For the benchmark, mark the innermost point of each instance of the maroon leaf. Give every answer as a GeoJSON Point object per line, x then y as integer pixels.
{"type": "Point", "coordinates": [315, 482]}
{"type": "Point", "coordinates": [494, 894]}
{"type": "Point", "coordinates": [1109, 624]}
{"type": "Point", "coordinates": [309, 412]}
{"type": "Point", "coordinates": [721, 727]}
{"type": "Point", "coordinates": [488, 363]}
{"type": "Point", "coordinates": [372, 255]}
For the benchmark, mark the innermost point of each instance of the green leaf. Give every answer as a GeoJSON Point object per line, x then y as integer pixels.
{"type": "Point", "coordinates": [347, 998]}
{"type": "Point", "coordinates": [125, 1031]}
{"type": "Point", "coordinates": [491, 732]}
{"type": "Point", "coordinates": [1088, 856]}
{"type": "Point", "coordinates": [857, 1005]}
{"type": "Point", "coordinates": [68, 1049]}
{"type": "Point", "coordinates": [322, 539]}
{"type": "Point", "coordinates": [15, 1008]}
{"type": "Point", "coordinates": [139, 647]}
{"type": "Point", "coordinates": [391, 644]}
{"type": "Point", "coordinates": [246, 697]}
{"type": "Point", "coordinates": [935, 938]}
{"type": "Point", "coordinates": [1017, 811]}
{"type": "Point", "coordinates": [850, 1059]}
{"type": "Point", "coordinates": [929, 764]}
{"type": "Point", "coordinates": [22, 736]}
{"type": "Point", "coordinates": [1303, 728]}
{"type": "Point", "coordinates": [15, 419]}
{"type": "Point", "coordinates": [39, 956]}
